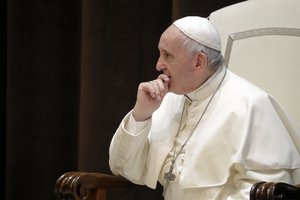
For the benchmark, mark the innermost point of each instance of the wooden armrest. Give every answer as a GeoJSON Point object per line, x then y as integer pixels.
{"type": "Point", "coordinates": [274, 191]}
{"type": "Point", "coordinates": [87, 186]}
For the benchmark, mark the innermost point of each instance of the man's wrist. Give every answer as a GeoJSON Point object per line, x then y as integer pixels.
{"type": "Point", "coordinates": [140, 117]}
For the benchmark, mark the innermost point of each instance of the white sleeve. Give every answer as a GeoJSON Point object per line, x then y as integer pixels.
{"type": "Point", "coordinates": [133, 127]}
{"type": "Point", "coordinates": [128, 150]}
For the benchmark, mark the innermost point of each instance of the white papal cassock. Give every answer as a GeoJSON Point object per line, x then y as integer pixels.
{"type": "Point", "coordinates": [244, 137]}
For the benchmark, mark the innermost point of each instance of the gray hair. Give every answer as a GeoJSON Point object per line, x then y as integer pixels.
{"type": "Point", "coordinates": [215, 58]}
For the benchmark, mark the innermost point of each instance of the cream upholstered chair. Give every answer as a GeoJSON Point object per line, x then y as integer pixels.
{"type": "Point", "coordinates": [261, 42]}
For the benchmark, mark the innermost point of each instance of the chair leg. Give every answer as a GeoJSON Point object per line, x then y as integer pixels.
{"type": "Point", "coordinates": [101, 194]}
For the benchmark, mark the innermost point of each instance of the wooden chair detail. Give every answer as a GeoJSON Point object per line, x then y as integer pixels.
{"type": "Point", "coordinates": [87, 186]}
{"type": "Point", "coordinates": [274, 191]}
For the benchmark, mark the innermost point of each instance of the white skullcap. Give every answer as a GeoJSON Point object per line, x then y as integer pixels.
{"type": "Point", "coordinates": [200, 30]}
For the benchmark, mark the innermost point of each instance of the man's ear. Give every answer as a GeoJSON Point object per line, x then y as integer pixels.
{"type": "Point", "coordinates": [201, 61]}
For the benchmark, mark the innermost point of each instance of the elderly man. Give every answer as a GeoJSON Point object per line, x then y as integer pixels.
{"type": "Point", "coordinates": [199, 129]}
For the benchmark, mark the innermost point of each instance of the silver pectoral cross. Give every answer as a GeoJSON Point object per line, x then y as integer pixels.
{"type": "Point", "coordinates": [168, 177]}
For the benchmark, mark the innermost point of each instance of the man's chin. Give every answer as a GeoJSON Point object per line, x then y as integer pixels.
{"type": "Point", "coordinates": [178, 92]}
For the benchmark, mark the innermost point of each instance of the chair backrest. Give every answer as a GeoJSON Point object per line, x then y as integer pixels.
{"type": "Point", "coordinates": [261, 42]}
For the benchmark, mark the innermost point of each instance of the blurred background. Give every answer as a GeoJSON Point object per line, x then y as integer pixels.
{"type": "Point", "coordinates": [69, 73]}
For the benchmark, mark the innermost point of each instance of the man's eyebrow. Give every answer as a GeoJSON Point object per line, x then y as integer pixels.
{"type": "Point", "coordinates": [164, 50]}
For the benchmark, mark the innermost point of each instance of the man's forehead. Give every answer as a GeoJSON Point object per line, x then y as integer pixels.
{"type": "Point", "coordinates": [170, 35]}
{"type": "Point", "coordinates": [172, 32]}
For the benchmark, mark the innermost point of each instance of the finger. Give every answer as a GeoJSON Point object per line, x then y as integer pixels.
{"type": "Point", "coordinates": [148, 88]}
{"type": "Point", "coordinates": [164, 77]}
{"type": "Point", "coordinates": [166, 80]}
{"type": "Point", "coordinates": [155, 88]}
{"type": "Point", "coordinates": [163, 87]}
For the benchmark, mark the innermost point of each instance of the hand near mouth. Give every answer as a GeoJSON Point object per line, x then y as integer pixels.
{"type": "Point", "coordinates": [149, 97]}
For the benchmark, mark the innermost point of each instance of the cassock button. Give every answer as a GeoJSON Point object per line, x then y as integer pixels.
{"type": "Point", "coordinates": [182, 159]}
{"type": "Point", "coordinates": [179, 170]}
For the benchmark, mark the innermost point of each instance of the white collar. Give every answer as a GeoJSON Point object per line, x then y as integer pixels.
{"type": "Point", "coordinates": [208, 87]}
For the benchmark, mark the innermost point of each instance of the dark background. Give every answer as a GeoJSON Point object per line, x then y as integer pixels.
{"type": "Point", "coordinates": [69, 72]}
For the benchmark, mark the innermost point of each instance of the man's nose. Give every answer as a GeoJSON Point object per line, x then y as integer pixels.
{"type": "Point", "coordinates": [160, 66]}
